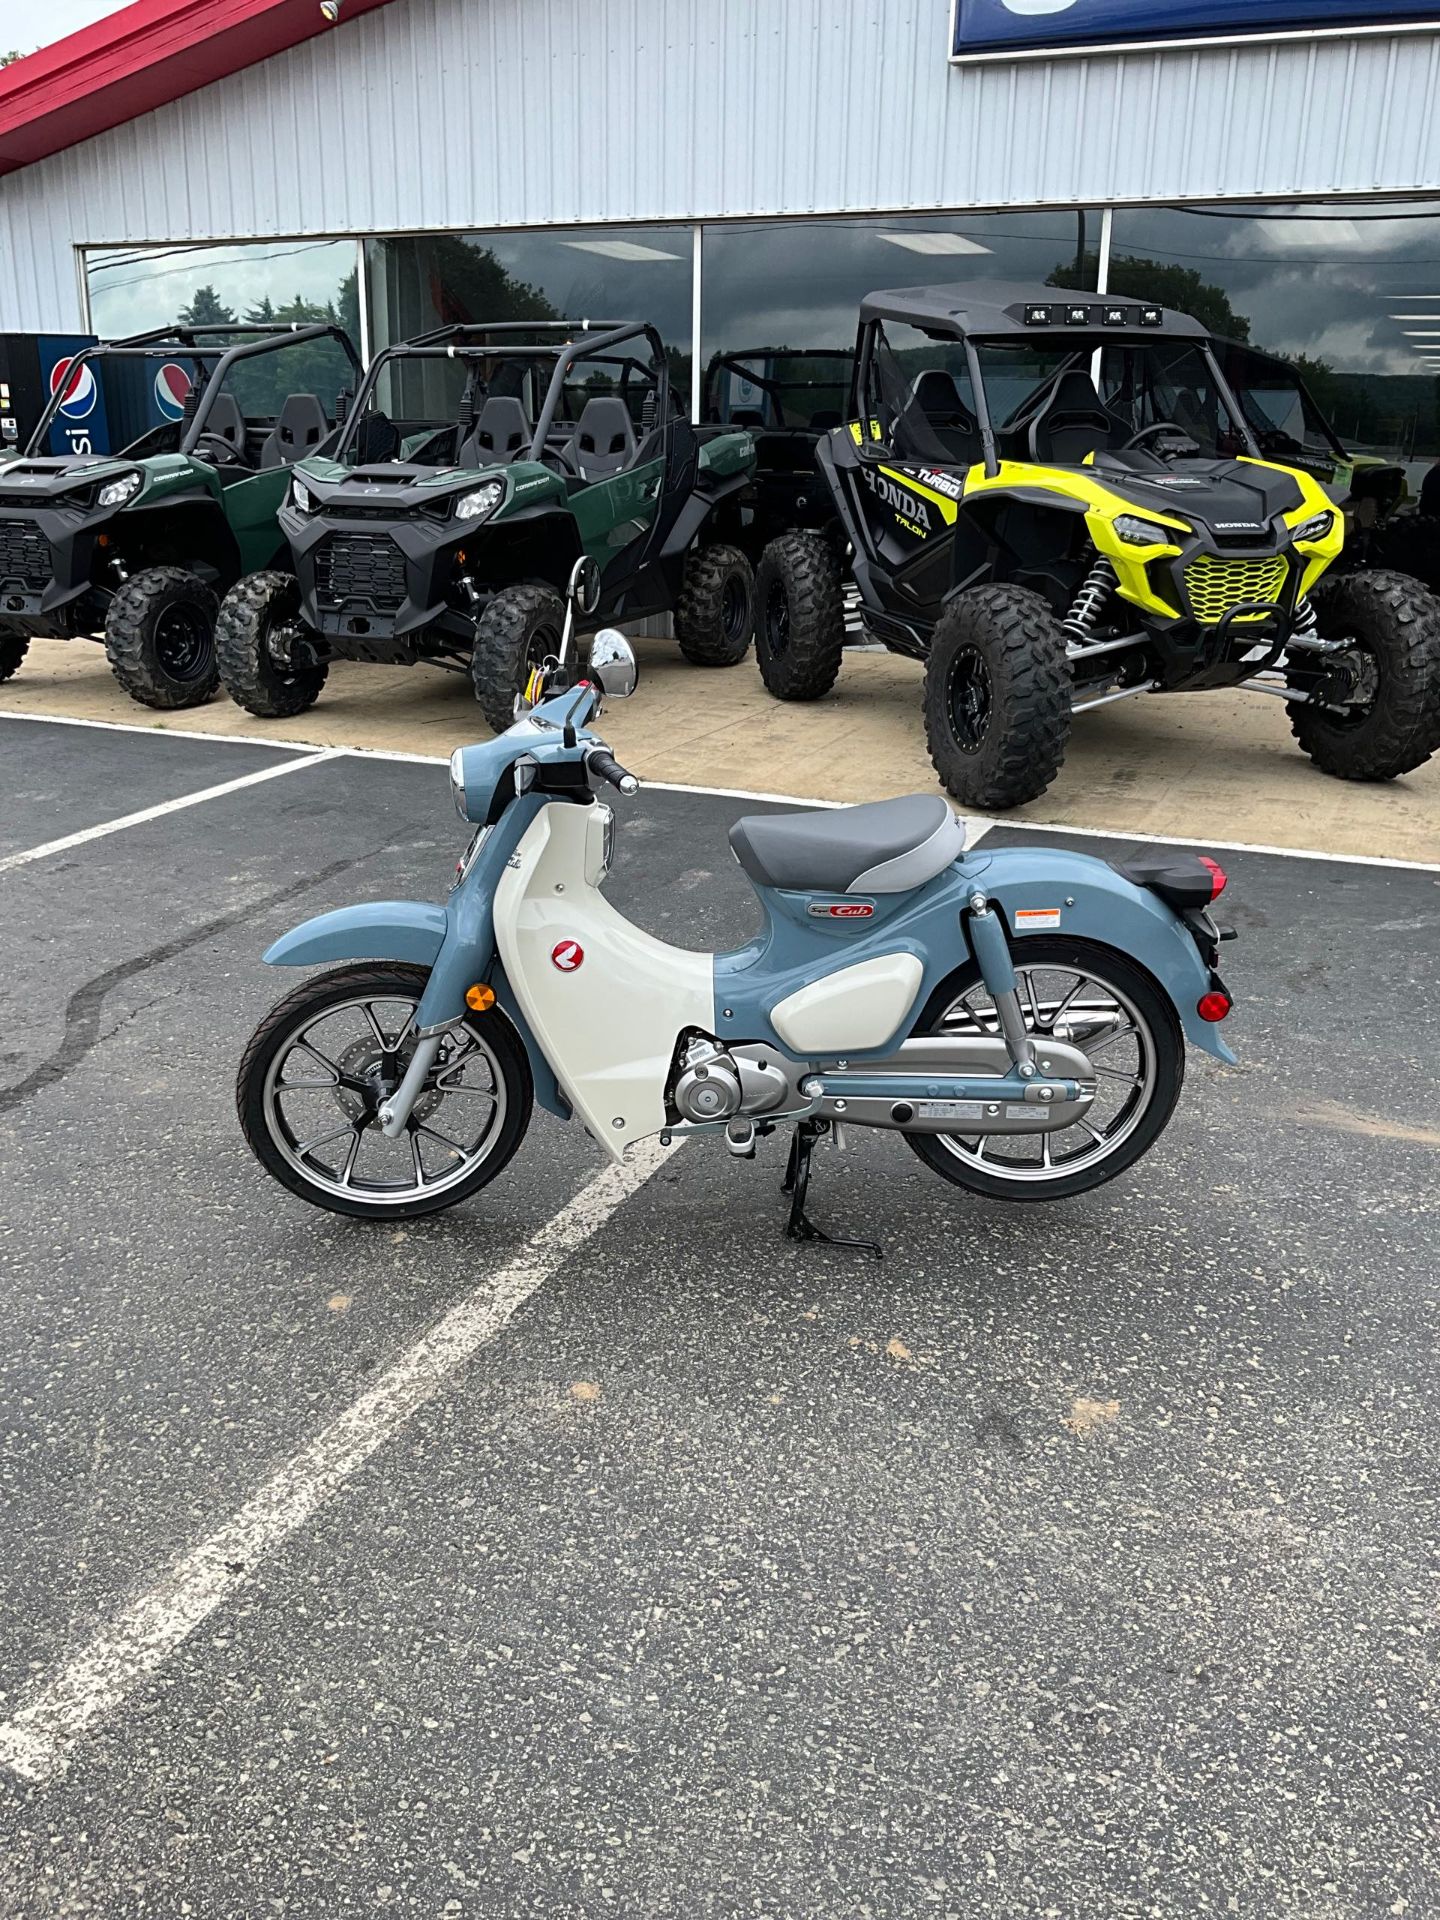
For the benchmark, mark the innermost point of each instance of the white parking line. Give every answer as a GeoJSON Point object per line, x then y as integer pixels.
{"type": "Point", "coordinates": [38, 1741]}
{"type": "Point", "coordinates": [165, 806]}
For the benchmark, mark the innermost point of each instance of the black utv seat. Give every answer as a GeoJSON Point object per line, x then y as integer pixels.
{"type": "Point", "coordinates": [1071, 424]}
{"type": "Point", "coordinates": [301, 427]}
{"type": "Point", "coordinates": [888, 846]}
{"type": "Point", "coordinates": [226, 422]}
{"type": "Point", "coordinates": [502, 433]}
{"type": "Point", "coordinates": [604, 441]}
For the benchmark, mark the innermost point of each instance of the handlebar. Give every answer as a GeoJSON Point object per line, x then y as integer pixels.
{"type": "Point", "coordinates": [597, 760]}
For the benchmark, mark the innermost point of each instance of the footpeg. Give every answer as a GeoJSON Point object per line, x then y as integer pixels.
{"type": "Point", "coordinates": [740, 1139]}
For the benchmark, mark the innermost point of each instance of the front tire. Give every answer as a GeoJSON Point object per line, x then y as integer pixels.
{"type": "Point", "coordinates": [997, 697]}
{"type": "Point", "coordinates": [1395, 624]}
{"type": "Point", "coordinates": [249, 616]}
{"type": "Point", "coordinates": [799, 617]}
{"type": "Point", "coordinates": [519, 629]}
{"type": "Point", "coordinates": [715, 614]}
{"type": "Point", "coordinates": [160, 639]}
{"type": "Point", "coordinates": [1140, 1070]}
{"type": "Point", "coordinates": [320, 1062]}
{"type": "Point", "coordinates": [13, 648]}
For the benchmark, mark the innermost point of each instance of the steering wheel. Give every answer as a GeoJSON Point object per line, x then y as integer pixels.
{"type": "Point", "coordinates": [219, 451]}
{"type": "Point", "coordinates": [1150, 432]}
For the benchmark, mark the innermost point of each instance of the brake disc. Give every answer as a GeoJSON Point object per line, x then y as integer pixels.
{"type": "Point", "coordinates": [362, 1061]}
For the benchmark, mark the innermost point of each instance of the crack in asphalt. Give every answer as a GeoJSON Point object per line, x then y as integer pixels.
{"type": "Point", "coordinates": [82, 1011]}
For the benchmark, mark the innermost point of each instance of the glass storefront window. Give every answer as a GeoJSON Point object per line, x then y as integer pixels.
{"type": "Point", "coordinates": [133, 289]}
{"type": "Point", "coordinates": [1348, 295]}
{"type": "Point", "coordinates": [778, 290]}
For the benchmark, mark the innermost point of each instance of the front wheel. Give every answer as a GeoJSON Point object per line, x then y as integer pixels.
{"type": "Point", "coordinates": [997, 696]}
{"type": "Point", "coordinates": [1094, 998]}
{"type": "Point", "coordinates": [1382, 694]}
{"type": "Point", "coordinates": [13, 648]}
{"type": "Point", "coordinates": [715, 614]}
{"type": "Point", "coordinates": [257, 617]}
{"type": "Point", "coordinates": [799, 616]}
{"type": "Point", "coordinates": [322, 1061]}
{"type": "Point", "coordinates": [520, 629]}
{"type": "Point", "coordinates": [160, 638]}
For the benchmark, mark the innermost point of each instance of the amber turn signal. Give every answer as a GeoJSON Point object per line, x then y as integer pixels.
{"type": "Point", "coordinates": [479, 998]}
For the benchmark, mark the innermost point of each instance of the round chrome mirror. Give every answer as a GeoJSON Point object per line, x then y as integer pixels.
{"type": "Point", "coordinates": [613, 664]}
{"type": "Point", "coordinates": [585, 584]}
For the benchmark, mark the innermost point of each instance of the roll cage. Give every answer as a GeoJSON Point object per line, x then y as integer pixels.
{"type": "Point", "coordinates": [766, 369]}
{"type": "Point", "coordinates": [475, 342]}
{"type": "Point", "coordinates": [254, 339]}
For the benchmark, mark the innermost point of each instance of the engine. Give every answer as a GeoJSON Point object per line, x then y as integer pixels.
{"type": "Point", "coordinates": [714, 1083]}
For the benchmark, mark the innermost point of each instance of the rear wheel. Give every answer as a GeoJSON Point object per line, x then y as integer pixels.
{"type": "Point", "coordinates": [997, 696]}
{"type": "Point", "coordinates": [1384, 690]}
{"type": "Point", "coordinates": [160, 638]}
{"type": "Point", "coordinates": [1102, 1003]}
{"type": "Point", "coordinates": [321, 1062]}
{"type": "Point", "coordinates": [799, 616]}
{"type": "Point", "coordinates": [256, 615]}
{"type": "Point", "coordinates": [715, 614]}
{"type": "Point", "coordinates": [519, 629]}
{"type": "Point", "coordinates": [13, 648]}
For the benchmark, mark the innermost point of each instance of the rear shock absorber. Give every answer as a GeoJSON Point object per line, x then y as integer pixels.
{"type": "Point", "coordinates": [1090, 602]}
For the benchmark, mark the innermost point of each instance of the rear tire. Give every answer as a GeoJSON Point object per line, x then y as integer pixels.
{"type": "Point", "coordinates": [253, 678]}
{"type": "Point", "coordinates": [1396, 624]}
{"type": "Point", "coordinates": [13, 648]}
{"type": "Point", "coordinates": [160, 638]}
{"type": "Point", "coordinates": [715, 614]}
{"type": "Point", "coordinates": [799, 616]}
{"type": "Point", "coordinates": [516, 631]}
{"type": "Point", "coordinates": [997, 697]}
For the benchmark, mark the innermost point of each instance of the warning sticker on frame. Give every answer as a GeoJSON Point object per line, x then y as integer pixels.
{"type": "Point", "coordinates": [1037, 919]}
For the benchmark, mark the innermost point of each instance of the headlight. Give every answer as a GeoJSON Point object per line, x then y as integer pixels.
{"type": "Point", "coordinates": [457, 781]}
{"type": "Point", "coordinates": [115, 493]}
{"type": "Point", "coordinates": [1315, 529]}
{"type": "Point", "coordinates": [301, 497]}
{"type": "Point", "coordinates": [484, 500]}
{"type": "Point", "coordinates": [1143, 533]}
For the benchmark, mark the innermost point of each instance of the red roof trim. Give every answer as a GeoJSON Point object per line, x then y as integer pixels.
{"type": "Point", "coordinates": [140, 58]}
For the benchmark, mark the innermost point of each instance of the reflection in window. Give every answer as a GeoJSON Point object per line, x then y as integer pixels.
{"type": "Point", "coordinates": [134, 289]}
{"type": "Point", "coordinates": [1350, 296]}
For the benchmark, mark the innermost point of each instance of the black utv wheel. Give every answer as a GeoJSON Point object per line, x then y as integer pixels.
{"type": "Point", "coordinates": [13, 647]}
{"type": "Point", "coordinates": [160, 638]}
{"type": "Point", "coordinates": [1387, 683]}
{"type": "Point", "coordinates": [997, 697]}
{"type": "Point", "coordinates": [715, 614]}
{"type": "Point", "coordinates": [799, 617]}
{"type": "Point", "coordinates": [253, 615]}
{"type": "Point", "coordinates": [519, 629]}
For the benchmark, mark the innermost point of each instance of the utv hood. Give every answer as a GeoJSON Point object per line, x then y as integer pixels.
{"type": "Point", "coordinates": [1237, 501]}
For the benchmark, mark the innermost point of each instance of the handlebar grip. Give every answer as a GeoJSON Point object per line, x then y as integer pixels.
{"type": "Point", "coordinates": [609, 768]}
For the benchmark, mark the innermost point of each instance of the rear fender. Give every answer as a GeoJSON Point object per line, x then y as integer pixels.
{"type": "Point", "coordinates": [1084, 897]}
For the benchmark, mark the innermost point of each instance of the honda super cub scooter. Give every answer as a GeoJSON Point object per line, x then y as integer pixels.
{"type": "Point", "coordinates": [1018, 1016]}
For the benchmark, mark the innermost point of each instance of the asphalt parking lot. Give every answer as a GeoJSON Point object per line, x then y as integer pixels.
{"type": "Point", "coordinates": [1074, 1561]}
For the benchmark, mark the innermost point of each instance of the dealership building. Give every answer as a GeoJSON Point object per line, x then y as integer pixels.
{"type": "Point", "coordinates": [741, 172]}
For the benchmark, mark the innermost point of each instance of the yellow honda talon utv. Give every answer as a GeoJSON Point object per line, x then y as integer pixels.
{"type": "Point", "coordinates": [1056, 501]}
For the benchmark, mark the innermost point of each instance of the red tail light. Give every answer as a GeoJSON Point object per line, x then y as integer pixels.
{"type": "Point", "coordinates": [1214, 1005]}
{"type": "Point", "coordinates": [1219, 880]}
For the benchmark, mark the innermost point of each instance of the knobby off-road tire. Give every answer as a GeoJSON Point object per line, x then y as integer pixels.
{"type": "Point", "coordinates": [1396, 623]}
{"type": "Point", "coordinates": [269, 1128]}
{"type": "Point", "coordinates": [160, 638]}
{"type": "Point", "coordinates": [1410, 543]}
{"type": "Point", "coordinates": [799, 616]}
{"type": "Point", "coordinates": [13, 648]}
{"type": "Point", "coordinates": [253, 678]}
{"type": "Point", "coordinates": [519, 627]}
{"type": "Point", "coordinates": [715, 614]}
{"type": "Point", "coordinates": [997, 697]}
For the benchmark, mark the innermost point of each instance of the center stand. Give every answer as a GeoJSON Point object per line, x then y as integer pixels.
{"type": "Point", "coordinates": [797, 1184]}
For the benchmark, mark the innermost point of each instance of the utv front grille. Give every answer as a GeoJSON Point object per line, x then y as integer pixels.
{"type": "Point", "coordinates": [24, 555]}
{"type": "Point", "coordinates": [1215, 586]}
{"type": "Point", "coordinates": [360, 566]}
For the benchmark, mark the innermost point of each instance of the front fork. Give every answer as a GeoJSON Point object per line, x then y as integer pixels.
{"type": "Point", "coordinates": [395, 1112]}
{"type": "Point", "coordinates": [997, 970]}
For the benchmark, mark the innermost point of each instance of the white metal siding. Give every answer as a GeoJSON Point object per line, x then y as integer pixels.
{"type": "Point", "coordinates": [480, 113]}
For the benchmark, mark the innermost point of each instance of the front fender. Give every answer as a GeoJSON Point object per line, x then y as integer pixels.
{"type": "Point", "coordinates": [1097, 903]}
{"type": "Point", "coordinates": [410, 930]}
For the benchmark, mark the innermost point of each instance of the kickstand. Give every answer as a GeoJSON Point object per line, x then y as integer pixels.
{"type": "Point", "coordinates": [797, 1184]}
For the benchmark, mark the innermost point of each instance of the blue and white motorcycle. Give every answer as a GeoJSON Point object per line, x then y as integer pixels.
{"type": "Point", "coordinates": [1017, 1016]}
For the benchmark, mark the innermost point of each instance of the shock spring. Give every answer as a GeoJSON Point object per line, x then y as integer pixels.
{"type": "Point", "coordinates": [1090, 602]}
{"type": "Point", "coordinates": [1306, 620]}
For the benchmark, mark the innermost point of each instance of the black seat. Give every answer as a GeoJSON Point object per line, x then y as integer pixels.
{"type": "Point", "coordinates": [937, 396]}
{"type": "Point", "coordinates": [302, 425]}
{"type": "Point", "coordinates": [225, 426]}
{"type": "Point", "coordinates": [1072, 422]}
{"type": "Point", "coordinates": [502, 433]}
{"type": "Point", "coordinates": [888, 846]}
{"type": "Point", "coordinates": [377, 439]}
{"type": "Point", "coordinates": [604, 439]}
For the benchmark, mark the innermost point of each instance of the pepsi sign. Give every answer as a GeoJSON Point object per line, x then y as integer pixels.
{"type": "Point", "coordinates": [172, 390]}
{"type": "Point", "coordinates": [80, 424]}
{"type": "Point", "coordinates": [81, 390]}
{"type": "Point", "coordinates": [994, 29]}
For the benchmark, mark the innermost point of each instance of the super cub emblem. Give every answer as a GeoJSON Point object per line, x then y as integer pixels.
{"type": "Point", "coordinates": [842, 910]}
{"type": "Point", "coordinates": [568, 955]}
